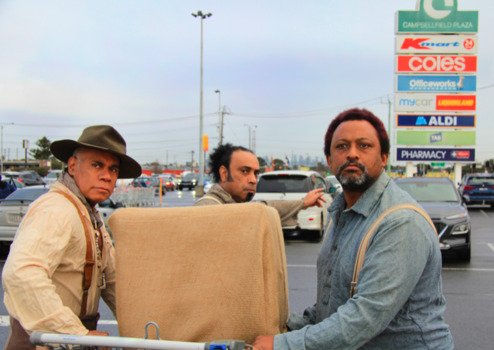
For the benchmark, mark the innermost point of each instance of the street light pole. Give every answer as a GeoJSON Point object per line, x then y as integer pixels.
{"type": "Point", "coordinates": [220, 118]}
{"type": "Point", "coordinates": [1, 141]}
{"type": "Point", "coordinates": [200, 186]}
{"type": "Point", "coordinates": [250, 138]}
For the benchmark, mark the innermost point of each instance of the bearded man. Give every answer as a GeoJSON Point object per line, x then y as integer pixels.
{"type": "Point", "coordinates": [395, 299]}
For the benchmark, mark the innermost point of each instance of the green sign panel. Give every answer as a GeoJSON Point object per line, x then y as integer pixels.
{"type": "Point", "coordinates": [438, 164]}
{"type": "Point", "coordinates": [437, 138]}
{"type": "Point", "coordinates": [437, 16]}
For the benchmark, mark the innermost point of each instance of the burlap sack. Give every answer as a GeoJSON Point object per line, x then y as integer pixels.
{"type": "Point", "coordinates": [201, 273]}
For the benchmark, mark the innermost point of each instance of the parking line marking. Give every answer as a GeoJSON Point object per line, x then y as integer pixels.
{"type": "Point", "coordinates": [467, 269]}
{"type": "Point", "coordinates": [444, 268]}
{"type": "Point", "coordinates": [491, 246]}
{"type": "Point", "coordinates": [484, 213]}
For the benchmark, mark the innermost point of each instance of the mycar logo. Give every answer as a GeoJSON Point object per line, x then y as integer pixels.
{"type": "Point", "coordinates": [456, 44]}
{"type": "Point", "coordinates": [436, 64]}
{"type": "Point", "coordinates": [437, 16]}
{"type": "Point", "coordinates": [430, 102]}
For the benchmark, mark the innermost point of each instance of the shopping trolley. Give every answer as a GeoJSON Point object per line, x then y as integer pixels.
{"type": "Point", "coordinates": [83, 342]}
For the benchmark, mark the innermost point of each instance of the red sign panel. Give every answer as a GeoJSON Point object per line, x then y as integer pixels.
{"type": "Point", "coordinates": [456, 102]}
{"type": "Point", "coordinates": [437, 64]}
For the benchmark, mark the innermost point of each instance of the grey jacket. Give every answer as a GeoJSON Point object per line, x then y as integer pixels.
{"type": "Point", "coordinates": [287, 210]}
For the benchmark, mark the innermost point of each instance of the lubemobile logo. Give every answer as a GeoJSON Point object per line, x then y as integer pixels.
{"type": "Point", "coordinates": [439, 12]}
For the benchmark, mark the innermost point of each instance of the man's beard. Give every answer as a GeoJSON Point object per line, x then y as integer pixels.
{"type": "Point", "coordinates": [354, 182]}
{"type": "Point", "coordinates": [249, 197]}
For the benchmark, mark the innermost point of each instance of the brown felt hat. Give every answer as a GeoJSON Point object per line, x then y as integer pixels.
{"type": "Point", "coordinates": [104, 138]}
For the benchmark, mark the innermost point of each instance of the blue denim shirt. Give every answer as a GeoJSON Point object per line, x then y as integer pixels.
{"type": "Point", "coordinates": [399, 302]}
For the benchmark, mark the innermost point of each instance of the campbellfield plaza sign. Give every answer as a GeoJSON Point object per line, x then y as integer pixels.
{"type": "Point", "coordinates": [437, 16]}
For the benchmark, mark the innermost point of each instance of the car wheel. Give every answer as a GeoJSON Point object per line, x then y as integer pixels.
{"type": "Point", "coordinates": [465, 255]}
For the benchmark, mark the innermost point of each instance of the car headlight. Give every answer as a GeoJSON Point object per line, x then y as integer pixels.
{"type": "Point", "coordinates": [460, 229]}
{"type": "Point", "coordinates": [456, 216]}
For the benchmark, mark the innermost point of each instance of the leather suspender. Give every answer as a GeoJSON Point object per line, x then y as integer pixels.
{"type": "Point", "coordinates": [88, 267]}
{"type": "Point", "coordinates": [359, 262]}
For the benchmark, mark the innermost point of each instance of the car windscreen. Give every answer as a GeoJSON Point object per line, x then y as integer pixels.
{"type": "Point", "coordinates": [430, 191]}
{"type": "Point", "coordinates": [24, 195]}
{"type": "Point", "coordinates": [481, 180]}
{"type": "Point", "coordinates": [283, 184]}
{"type": "Point", "coordinates": [191, 176]}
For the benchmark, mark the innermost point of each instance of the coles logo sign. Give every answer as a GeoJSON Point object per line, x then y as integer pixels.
{"type": "Point", "coordinates": [436, 44]}
{"type": "Point", "coordinates": [437, 64]}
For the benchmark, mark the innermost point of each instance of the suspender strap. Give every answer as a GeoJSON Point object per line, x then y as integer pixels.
{"type": "Point", "coordinates": [359, 262]}
{"type": "Point", "coordinates": [88, 267]}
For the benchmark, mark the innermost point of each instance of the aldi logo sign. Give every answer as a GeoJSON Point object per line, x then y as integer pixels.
{"type": "Point", "coordinates": [435, 121]}
{"type": "Point", "coordinates": [429, 102]}
{"type": "Point", "coordinates": [436, 64]}
{"type": "Point", "coordinates": [437, 16]}
{"type": "Point", "coordinates": [436, 83]}
{"type": "Point", "coordinates": [457, 44]}
{"type": "Point", "coordinates": [435, 154]}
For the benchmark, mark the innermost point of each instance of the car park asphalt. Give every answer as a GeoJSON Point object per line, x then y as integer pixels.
{"type": "Point", "coordinates": [468, 287]}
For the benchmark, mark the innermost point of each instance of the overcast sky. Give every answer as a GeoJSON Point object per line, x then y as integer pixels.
{"type": "Point", "coordinates": [285, 68]}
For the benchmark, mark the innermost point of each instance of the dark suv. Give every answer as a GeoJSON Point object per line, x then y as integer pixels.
{"type": "Point", "coordinates": [188, 180]}
{"type": "Point", "coordinates": [441, 200]}
{"type": "Point", "coordinates": [478, 189]}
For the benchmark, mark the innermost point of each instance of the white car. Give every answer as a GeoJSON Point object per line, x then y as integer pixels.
{"type": "Point", "coordinates": [287, 185]}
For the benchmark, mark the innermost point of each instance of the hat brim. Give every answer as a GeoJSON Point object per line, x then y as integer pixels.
{"type": "Point", "coordinates": [63, 150]}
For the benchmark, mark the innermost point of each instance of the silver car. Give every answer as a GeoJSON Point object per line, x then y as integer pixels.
{"type": "Point", "coordinates": [14, 207]}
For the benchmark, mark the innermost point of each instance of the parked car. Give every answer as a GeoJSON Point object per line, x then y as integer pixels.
{"type": "Point", "coordinates": [7, 175]}
{"type": "Point", "coordinates": [188, 180]}
{"type": "Point", "coordinates": [477, 189]}
{"type": "Point", "coordinates": [334, 185]}
{"type": "Point", "coordinates": [441, 200]}
{"type": "Point", "coordinates": [14, 207]}
{"type": "Point", "coordinates": [52, 176]}
{"type": "Point", "coordinates": [30, 178]}
{"type": "Point", "coordinates": [168, 181]}
{"type": "Point", "coordinates": [286, 185]}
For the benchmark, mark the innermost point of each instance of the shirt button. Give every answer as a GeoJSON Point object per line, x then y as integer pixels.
{"type": "Point", "coordinates": [335, 247]}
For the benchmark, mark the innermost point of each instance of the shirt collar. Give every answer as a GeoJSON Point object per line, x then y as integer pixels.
{"type": "Point", "coordinates": [367, 201]}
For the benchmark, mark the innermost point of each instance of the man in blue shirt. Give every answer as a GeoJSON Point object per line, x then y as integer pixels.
{"type": "Point", "coordinates": [398, 302]}
{"type": "Point", "coordinates": [5, 188]}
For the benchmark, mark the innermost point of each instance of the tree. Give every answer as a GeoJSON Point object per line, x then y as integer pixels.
{"type": "Point", "coordinates": [43, 150]}
{"type": "Point", "coordinates": [279, 164]}
{"type": "Point", "coordinates": [262, 162]}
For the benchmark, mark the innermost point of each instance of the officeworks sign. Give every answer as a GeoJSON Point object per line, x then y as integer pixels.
{"type": "Point", "coordinates": [440, 138]}
{"type": "Point", "coordinates": [435, 83]}
{"type": "Point", "coordinates": [435, 154]}
{"type": "Point", "coordinates": [430, 102]}
{"type": "Point", "coordinates": [448, 121]}
{"type": "Point", "coordinates": [455, 44]}
{"type": "Point", "coordinates": [437, 16]}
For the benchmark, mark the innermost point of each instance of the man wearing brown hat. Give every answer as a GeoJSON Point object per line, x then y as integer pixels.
{"type": "Point", "coordinates": [62, 258]}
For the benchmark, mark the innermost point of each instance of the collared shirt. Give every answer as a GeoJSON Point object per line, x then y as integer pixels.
{"type": "Point", "coordinates": [399, 302]}
{"type": "Point", "coordinates": [287, 210]}
{"type": "Point", "coordinates": [42, 276]}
